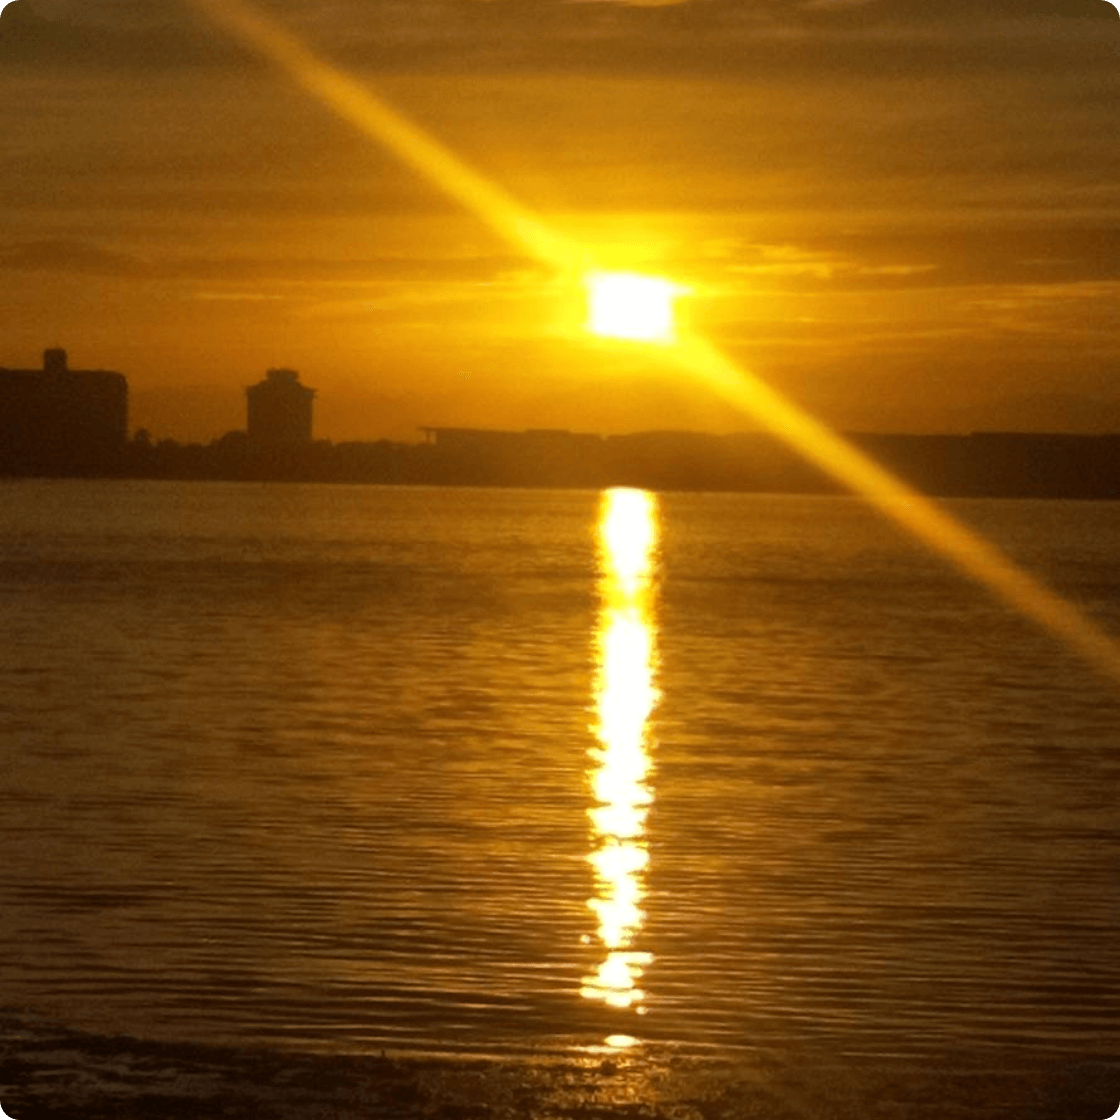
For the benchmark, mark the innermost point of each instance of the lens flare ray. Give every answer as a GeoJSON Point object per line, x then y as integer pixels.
{"type": "Point", "coordinates": [924, 519]}
{"type": "Point", "coordinates": [355, 102]}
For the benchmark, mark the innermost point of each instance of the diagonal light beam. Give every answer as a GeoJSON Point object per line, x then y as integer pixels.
{"type": "Point", "coordinates": [923, 518]}
{"type": "Point", "coordinates": [354, 102]}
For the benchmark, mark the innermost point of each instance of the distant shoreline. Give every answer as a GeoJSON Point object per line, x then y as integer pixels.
{"type": "Point", "coordinates": [979, 465]}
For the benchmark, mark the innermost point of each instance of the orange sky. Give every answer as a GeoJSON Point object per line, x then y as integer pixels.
{"type": "Point", "coordinates": [908, 219]}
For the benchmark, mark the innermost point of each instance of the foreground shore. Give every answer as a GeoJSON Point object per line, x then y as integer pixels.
{"type": "Point", "coordinates": [48, 1072]}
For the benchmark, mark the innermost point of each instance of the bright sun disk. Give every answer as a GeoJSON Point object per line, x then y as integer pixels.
{"type": "Point", "coordinates": [626, 305]}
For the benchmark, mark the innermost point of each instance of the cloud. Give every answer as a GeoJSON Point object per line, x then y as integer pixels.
{"type": "Point", "coordinates": [637, 3]}
{"type": "Point", "coordinates": [117, 37]}
{"type": "Point", "coordinates": [698, 37]}
{"type": "Point", "coordinates": [70, 257]}
{"type": "Point", "coordinates": [1008, 255]}
{"type": "Point", "coordinates": [81, 258]}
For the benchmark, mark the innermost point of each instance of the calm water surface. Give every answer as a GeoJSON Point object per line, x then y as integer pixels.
{"type": "Point", "coordinates": [352, 768]}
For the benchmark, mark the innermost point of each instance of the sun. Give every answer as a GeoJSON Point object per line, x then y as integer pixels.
{"type": "Point", "coordinates": [626, 305]}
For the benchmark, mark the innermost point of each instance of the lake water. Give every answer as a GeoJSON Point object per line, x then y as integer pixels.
{"type": "Point", "coordinates": [509, 774]}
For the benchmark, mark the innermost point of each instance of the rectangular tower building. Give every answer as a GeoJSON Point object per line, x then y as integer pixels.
{"type": "Point", "coordinates": [279, 410]}
{"type": "Point", "coordinates": [58, 420]}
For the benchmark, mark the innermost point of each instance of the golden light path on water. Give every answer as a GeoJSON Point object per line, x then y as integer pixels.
{"type": "Point", "coordinates": [923, 518]}
{"type": "Point", "coordinates": [625, 695]}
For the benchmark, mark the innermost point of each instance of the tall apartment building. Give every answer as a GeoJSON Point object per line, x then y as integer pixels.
{"type": "Point", "coordinates": [58, 419]}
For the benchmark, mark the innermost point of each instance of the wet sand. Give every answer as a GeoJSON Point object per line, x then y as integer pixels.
{"type": "Point", "coordinates": [48, 1072]}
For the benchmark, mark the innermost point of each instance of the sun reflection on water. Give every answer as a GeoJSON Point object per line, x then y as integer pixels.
{"type": "Point", "coordinates": [625, 695]}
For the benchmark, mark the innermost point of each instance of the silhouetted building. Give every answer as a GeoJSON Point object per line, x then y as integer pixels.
{"type": "Point", "coordinates": [279, 410]}
{"type": "Point", "coordinates": [536, 457]}
{"type": "Point", "coordinates": [488, 440]}
{"type": "Point", "coordinates": [58, 420]}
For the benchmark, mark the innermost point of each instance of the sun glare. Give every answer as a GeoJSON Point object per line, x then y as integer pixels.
{"type": "Point", "coordinates": [640, 308]}
{"type": "Point", "coordinates": [626, 305]}
{"type": "Point", "coordinates": [625, 696]}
